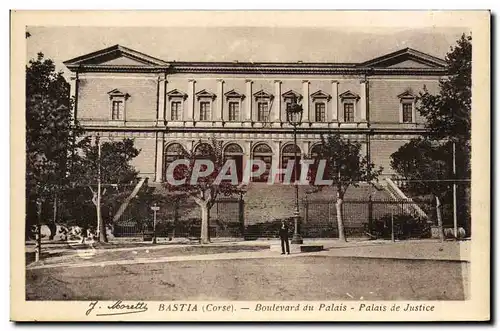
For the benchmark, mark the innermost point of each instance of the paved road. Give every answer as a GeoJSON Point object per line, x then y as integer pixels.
{"type": "Point", "coordinates": [273, 278]}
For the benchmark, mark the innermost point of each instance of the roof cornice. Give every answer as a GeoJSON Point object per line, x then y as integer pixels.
{"type": "Point", "coordinates": [379, 66]}
{"type": "Point", "coordinates": [309, 70]}
{"type": "Point", "coordinates": [117, 68]}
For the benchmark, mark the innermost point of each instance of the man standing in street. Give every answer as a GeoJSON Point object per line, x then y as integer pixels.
{"type": "Point", "coordinates": [284, 238]}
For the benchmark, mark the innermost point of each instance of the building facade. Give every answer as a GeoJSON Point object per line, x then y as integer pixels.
{"type": "Point", "coordinates": [165, 106]}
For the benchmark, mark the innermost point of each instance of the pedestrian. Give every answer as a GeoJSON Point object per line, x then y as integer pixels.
{"type": "Point", "coordinates": [284, 238]}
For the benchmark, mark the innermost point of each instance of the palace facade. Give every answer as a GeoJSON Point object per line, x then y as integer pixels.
{"type": "Point", "coordinates": [165, 106]}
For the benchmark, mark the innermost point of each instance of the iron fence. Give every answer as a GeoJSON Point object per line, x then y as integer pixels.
{"type": "Point", "coordinates": [359, 216]}
{"type": "Point", "coordinates": [182, 218]}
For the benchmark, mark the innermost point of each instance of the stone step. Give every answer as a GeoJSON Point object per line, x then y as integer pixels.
{"type": "Point", "coordinates": [293, 248]}
{"type": "Point", "coordinates": [298, 248]}
{"type": "Point", "coordinates": [311, 248]}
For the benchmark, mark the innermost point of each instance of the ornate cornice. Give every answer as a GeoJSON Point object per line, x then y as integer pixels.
{"type": "Point", "coordinates": [205, 94]}
{"type": "Point", "coordinates": [117, 93]}
{"type": "Point", "coordinates": [261, 94]}
{"type": "Point", "coordinates": [349, 95]}
{"type": "Point", "coordinates": [376, 133]}
{"type": "Point", "coordinates": [234, 95]}
{"type": "Point", "coordinates": [117, 68]}
{"type": "Point", "coordinates": [320, 95]}
{"type": "Point", "coordinates": [175, 93]}
{"type": "Point", "coordinates": [383, 65]}
{"type": "Point", "coordinates": [256, 68]}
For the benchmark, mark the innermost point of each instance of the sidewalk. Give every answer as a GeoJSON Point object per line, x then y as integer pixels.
{"type": "Point", "coordinates": [408, 250]}
{"type": "Point", "coordinates": [379, 249]}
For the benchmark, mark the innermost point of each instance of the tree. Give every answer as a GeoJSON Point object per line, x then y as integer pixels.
{"type": "Point", "coordinates": [205, 189]}
{"type": "Point", "coordinates": [448, 113]}
{"type": "Point", "coordinates": [427, 163]}
{"type": "Point", "coordinates": [108, 162]}
{"type": "Point", "coordinates": [344, 167]}
{"type": "Point", "coordinates": [448, 123]}
{"type": "Point", "coordinates": [50, 134]}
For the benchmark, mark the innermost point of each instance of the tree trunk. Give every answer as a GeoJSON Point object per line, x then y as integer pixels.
{"type": "Point", "coordinates": [53, 225]}
{"type": "Point", "coordinates": [439, 218]}
{"type": "Point", "coordinates": [176, 217]}
{"type": "Point", "coordinates": [102, 230]}
{"type": "Point", "coordinates": [101, 227]}
{"type": "Point", "coordinates": [38, 234]}
{"type": "Point", "coordinates": [205, 218]}
{"type": "Point", "coordinates": [340, 221]}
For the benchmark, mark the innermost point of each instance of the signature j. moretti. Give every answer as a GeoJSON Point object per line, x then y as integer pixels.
{"type": "Point", "coordinates": [117, 308]}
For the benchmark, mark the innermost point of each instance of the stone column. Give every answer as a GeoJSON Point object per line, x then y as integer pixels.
{"type": "Point", "coordinates": [189, 110]}
{"type": "Point", "coordinates": [305, 102]}
{"type": "Point", "coordinates": [247, 116]}
{"type": "Point", "coordinates": [159, 157]}
{"type": "Point", "coordinates": [247, 152]}
{"type": "Point", "coordinates": [162, 87]}
{"type": "Point", "coordinates": [275, 144]}
{"type": "Point", "coordinates": [413, 112]}
{"type": "Point", "coordinates": [73, 93]}
{"type": "Point", "coordinates": [277, 115]}
{"type": "Point", "coordinates": [219, 114]}
{"type": "Point", "coordinates": [362, 101]}
{"type": "Point", "coordinates": [332, 116]}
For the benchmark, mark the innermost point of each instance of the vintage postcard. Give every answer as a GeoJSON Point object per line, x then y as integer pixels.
{"type": "Point", "coordinates": [250, 166]}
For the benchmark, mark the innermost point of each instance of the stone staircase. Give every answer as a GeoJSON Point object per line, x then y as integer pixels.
{"type": "Point", "coordinates": [264, 203]}
{"type": "Point", "coordinates": [397, 194]}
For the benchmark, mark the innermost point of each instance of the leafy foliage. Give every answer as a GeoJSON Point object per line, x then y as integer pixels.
{"type": "Point", "coordinates": [49, 130]}
{"type": "Point", "coordinates": [117, 174]}
{"type": "Point", "coordinates": [345, 165]}
{"type": "Point", "coordinates": [206, 189]}
{"type": "Point", "coordinates": [448, 113]}
{"type": "Point", "coordinates": [405, 227]}
{"type": "Point", "coordinates": [114, 162]}
{"type": "Point", "coordinates": [428, 163]}
{"type": "Point", "coordinates": [428, 160]}
{"type": "Point", "coordinates": [50, 135]}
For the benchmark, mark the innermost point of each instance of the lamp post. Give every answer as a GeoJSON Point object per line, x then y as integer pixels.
{"type": "Point", "coordinates": [154, 208]}
{"type": "Point", "coordinates": [294, 117]}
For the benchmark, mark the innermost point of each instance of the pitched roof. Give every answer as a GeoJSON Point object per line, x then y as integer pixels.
{"type": "Point", "coordinates": [114, 52]}
{"type": "Point", "coordinates": [402, 55]}
{"type": "Point", "coordinates": [120, 58]}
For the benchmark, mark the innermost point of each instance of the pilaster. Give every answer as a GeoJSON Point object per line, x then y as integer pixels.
{"type": "Point", "coordinates": [219, 114]}
{"type": "Point", "coordinates": [277, 115]}
{"type": "Point", "coordinates": [332, 116]}
{"type": "Point", "coordinates": [159, 156]}
{"type": "Point", "coordinates": [362, 101]}
{"type": "Point", "coordinates": [189, 110]}
{"type": "Point", "coordinates": [247, 116]}
{"type": "Point", "coordinates": [305, 102]}
{"type": "Point", "coordinates": [162, 88]}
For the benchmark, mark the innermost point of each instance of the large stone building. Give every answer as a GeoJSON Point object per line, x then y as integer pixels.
{"type": "Point", "coordinates": [165, 105]}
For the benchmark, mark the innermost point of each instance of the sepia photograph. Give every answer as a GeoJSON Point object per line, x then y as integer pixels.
{"type": "Point", "coordinates": [244, 169]}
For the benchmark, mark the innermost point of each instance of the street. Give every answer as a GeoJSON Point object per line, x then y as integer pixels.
{"type": "Point", "coordinates": [274, 278]}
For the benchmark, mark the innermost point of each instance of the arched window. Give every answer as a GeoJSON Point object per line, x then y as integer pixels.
{"type": "Point", "coordinates": [203, 149]}
{"type": "Point", "coordinates": [288, 153]}
{"type": "Point", "coordinates": [265, 153]}
{"type": "Point", "coordinates": [315, 151]}
{"type": "Point", "coordinates": [173, 152]}
{"type": "Point", "coordinates": [313, 168]}
{"type": "Point", "coordinates": [235, 152]}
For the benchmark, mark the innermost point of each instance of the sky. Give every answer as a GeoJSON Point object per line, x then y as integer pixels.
{"type": "Point", "coordinates": [258, 44]}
